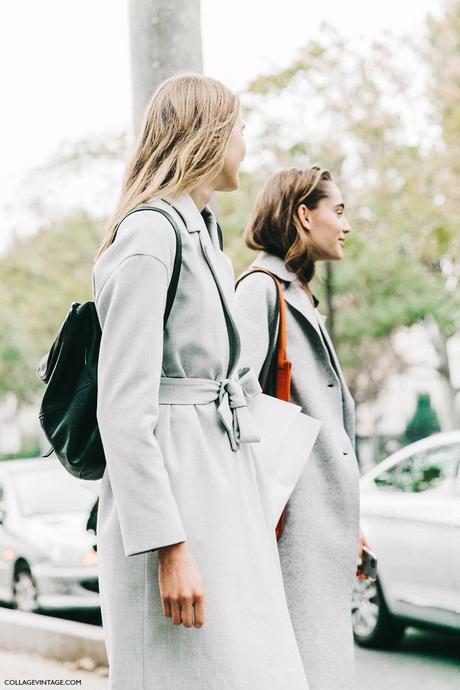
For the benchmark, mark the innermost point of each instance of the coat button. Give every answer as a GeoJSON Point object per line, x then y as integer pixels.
{"type": "Point", "coordinates": [330, 385]}
{"type": "Point", "coordinates": [345, 452]}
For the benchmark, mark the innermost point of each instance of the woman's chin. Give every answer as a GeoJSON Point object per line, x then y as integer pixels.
{"type": "Point", "coordinates": [229, 184]}
{"type": "Point", "coordinates": [339, 254]}
{"type": "Point", "coordinates": [331, 256]}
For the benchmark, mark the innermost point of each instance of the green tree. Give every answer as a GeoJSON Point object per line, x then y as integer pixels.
{"type": "Point", "coordinates": [363, 115]}
{"type": "Point", "coordinates": [44, 273]}
{"type": "Point", "coordinates": [424, 421]}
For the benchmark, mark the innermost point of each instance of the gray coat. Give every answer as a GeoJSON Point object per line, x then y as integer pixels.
{"type": "Point", "coordinates": [318, 549]}
{"type": "Point", "coordinates": [169, 418]}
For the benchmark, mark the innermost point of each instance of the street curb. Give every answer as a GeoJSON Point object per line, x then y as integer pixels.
{"type": "Point", "coordinates": [53, 638]}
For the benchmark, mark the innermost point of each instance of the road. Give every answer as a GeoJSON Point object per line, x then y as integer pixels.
{"type": "Point", "coordinates": [425, 661]}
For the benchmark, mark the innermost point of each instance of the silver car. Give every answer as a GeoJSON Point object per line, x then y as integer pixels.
{"type": "Point", "coordinates": [410, 514]}
{"type": "Point", "coordinates": [47, 559]}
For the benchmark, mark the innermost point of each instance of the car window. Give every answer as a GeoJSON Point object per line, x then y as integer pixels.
{"type": "Point", "coordinates": [385, 479]}
{"type": "Point", "coordinates": [50, 491]}
{"type": "Point", "coordinates": [432, 470]}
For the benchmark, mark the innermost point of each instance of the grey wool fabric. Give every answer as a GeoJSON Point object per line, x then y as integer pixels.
{"type": "Point", "coordinates": [318, 549]}
{"type": "Point", "coordinates": [172, 474]}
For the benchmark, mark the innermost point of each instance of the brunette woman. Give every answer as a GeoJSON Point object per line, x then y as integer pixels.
{"type": "Point", "coordinates": [299, 219]}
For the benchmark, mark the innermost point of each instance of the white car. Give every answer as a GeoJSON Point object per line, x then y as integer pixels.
{"type": "Point", "coordinates": [47, 559]}
{"type": "Point", "coordinates": [410, 515]}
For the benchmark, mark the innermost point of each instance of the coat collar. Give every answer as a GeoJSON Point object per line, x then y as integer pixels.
{"type": "Point", "coordinates": [193, 219]}
{"type": "Point", "coordinates": [205, 223]}
{"type": "Point", "coordinates": [293, 292]}
{"type": "Point", "coordinates": [275, 265]}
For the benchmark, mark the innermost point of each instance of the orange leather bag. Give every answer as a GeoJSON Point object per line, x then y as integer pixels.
{"type": "Point", "coordinates": [278, 380]}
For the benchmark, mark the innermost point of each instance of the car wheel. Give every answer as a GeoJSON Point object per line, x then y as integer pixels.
{"type": "Point", "coordinates": [373, 625]}
{"type": "Point", "coordinates": [25, 595]}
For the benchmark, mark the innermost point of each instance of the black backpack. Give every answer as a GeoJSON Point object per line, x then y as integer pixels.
{"type": "Point", "coordinates": [68, 409]}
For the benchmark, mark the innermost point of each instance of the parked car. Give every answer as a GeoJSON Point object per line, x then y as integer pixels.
{"type": "Point", "coordinates": [47, 559]}
{"type": "Point", "coordinates": [410, 514]}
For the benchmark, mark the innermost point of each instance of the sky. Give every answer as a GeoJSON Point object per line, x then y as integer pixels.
{"type": "Point", "coordinates": [65, 70]}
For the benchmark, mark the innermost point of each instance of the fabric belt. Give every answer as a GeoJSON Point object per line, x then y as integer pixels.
{"type": "Point", "coordinates": [231, 394]}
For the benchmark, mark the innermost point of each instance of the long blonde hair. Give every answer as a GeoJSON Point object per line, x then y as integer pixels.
{"type": "Point", "coordinates": [182, 143]}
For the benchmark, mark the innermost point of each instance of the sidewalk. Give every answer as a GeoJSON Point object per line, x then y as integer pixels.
{"type": "Point", "coordinates": [53, 638]}
{"type": "Point", "coordinates": [21, 666]}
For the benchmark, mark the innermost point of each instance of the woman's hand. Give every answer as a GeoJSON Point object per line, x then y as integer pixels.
{"type": "Point", "coordinates": [181, 586]}
{"type": "Point", "coordinates": [362, 542]}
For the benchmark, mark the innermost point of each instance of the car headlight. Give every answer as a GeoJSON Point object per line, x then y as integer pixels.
{"type": "Point", "coordinates": [90, 558]}
{"type": "Point", "coordinates": [64, 556]}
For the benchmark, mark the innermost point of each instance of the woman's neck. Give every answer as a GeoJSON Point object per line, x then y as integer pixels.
{"type": "Point", "coordinates": [201, 196]}
{"type": "Point", "coordinates": [307, 289]}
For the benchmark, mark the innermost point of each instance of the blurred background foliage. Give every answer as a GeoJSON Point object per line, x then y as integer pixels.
{"type": "Point", "coordinates": [383, 117]}
{"type": "Point", "coordinates": [423, 423]}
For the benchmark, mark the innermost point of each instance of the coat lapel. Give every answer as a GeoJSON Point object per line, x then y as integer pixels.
{"type": "Point", "coordinates": [348, 402]}
{"type": "Point", "coordinates": [216, 256]}
{"type": "Point", "coordinates": [212, 261]}
{"type": "Point", "coordinates": [331, 349]}
{"type": "Point", "coordinates": [206, 225]}
{"type": "Point", "coordinates": [296, 297]}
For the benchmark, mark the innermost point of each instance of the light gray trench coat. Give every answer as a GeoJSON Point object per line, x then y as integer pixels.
{"type": "Point", "coordinates": [319, 546]}
{"type": "Point", "coordinates": [172, 474]}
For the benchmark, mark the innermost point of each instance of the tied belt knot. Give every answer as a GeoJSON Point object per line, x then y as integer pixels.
{"type": "Point", "coordinates": [231, 395]}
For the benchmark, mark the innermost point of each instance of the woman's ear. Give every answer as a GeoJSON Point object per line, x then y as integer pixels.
{"type": "Point", "coordinates": [303, 216]}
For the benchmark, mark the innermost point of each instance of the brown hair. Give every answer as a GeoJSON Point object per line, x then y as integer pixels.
{"type": "Point", "coordinates": [182, 144]}
{"type": "Point", "coordinates": [274, 226]}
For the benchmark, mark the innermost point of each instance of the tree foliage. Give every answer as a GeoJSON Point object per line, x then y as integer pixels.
{"type": "Point", "coordinates": [43, 274]}
{"type": "Point", "coordinates": [424, 421]}
{"type": "Point", "coordinates": [369, 114]}
{"type": "Point", "coordinates": [384, 118]}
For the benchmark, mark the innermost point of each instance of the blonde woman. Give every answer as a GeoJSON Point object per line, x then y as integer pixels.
{"type": "Point", "coordinates": [191, 586]}
{"type": "Point", "coordinates": [299, 219]}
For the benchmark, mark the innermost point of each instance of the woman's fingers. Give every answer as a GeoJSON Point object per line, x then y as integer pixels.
{"type": "Point", "coordinates": [187, 612]}
{"type": "Point", "coordinates": [166, 608]}
{"type": "Point", "coordinates": [181, 586]}
{"type": "Point", "coordinates": [176, 612]}
{"type": "Point", "coordinates": [198, 609]}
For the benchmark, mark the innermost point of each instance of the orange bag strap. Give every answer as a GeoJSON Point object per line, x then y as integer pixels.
{"type": "Point", "coordinates": [283, 366]}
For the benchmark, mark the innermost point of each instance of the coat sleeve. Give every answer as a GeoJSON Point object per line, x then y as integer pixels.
{"type": "Point", "coordinates": [255, 313]}
{"type": "Point", "coordinates": [131, 306]}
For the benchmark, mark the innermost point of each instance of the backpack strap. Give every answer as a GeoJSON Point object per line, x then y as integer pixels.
{"type": "Point", "coordinates": [220, 236]}
{"type": "Point", "coordinates": [172, 288]}
{"type": "Point", "coordinates": [281, 388]}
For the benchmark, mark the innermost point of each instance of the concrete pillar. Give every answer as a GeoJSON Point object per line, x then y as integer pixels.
{"type": "Point", "coordinates": [165, 38]}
